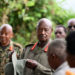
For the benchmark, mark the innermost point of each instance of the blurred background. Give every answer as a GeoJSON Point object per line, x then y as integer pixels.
{"type": "Point", "coordinates": [23, 15]}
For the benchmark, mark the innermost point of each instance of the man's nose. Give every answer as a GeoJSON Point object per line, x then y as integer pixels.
{"type": "Point", "coordinates": [3, 35]}
{"type": "Point", "coordinates": [57, 34]}
{"type": "Point", "coordinates": [72, 28]}
{"type": "Point", "coordinates": [43, 32]}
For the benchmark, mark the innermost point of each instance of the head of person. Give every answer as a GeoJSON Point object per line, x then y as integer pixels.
{"type": "Point", "coordinates": [71, 25]}
{"type": "Point", "coordinates": [57, 53]}
{"type": "Point", "coordinates": [6, 33]}
{"type": "Point", "coordinates": [71, 48]}
{"type": "Point", "coordinates": [44, 29]}
{"type": "Point", "coordinates": [60, 31]}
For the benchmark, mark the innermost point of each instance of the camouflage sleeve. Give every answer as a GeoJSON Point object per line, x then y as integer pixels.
{"type": "Point", "coordinates": [43, 70]}
{"type": "Point", "coordinates": [19, 49]}
{"type": "Point", "coordinates": [20, 52]}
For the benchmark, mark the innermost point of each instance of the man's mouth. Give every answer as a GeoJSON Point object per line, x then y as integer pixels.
{"type": "Point", "coordinates": [3, 39]}
{"type": "Point", "coordinates": [42, 36]}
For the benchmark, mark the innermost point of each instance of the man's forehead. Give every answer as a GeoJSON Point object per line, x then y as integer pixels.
{"type": "Point", "coordinates": [44, 26]}
{"type": "Point", "coordinates": [59, 28]}
{"type": "Point", "coordinates": [4, 30]}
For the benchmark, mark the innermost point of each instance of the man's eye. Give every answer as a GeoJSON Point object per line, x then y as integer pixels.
{"type": "Point", "coordinates": [40, 30]}
{"type": "Point", "coordinates": [1, 34]}
{"type": "Point", "coordinates": [46, 29]}
{"type": "Point", "coordinates": [6, 34]}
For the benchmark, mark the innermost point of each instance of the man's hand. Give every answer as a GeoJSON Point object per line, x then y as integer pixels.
{"type": "Point", "coordinates": [32, 64]}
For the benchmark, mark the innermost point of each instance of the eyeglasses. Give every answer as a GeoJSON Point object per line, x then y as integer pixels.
{"type": "Point", "coordinates": [58, 32]}
{"type": "Point", "coordinates": [71, 27]}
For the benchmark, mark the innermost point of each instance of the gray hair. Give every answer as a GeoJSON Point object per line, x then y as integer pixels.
{"type": "Point", "coordinates": [58, 47]}
{"type": "Point", "coordinates": [47, 21]}
{"type": "Point", "coordinates": [71, 20]}
{"type": "Point", "coordinates": [7, 26]}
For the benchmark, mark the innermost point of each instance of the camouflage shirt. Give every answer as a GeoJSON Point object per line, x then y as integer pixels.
{"type": "Point", "coordinates": [4, 54]}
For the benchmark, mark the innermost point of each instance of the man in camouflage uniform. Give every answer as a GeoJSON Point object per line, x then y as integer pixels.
{"type": "Point", "coordinates": [38, 51]}
{"type": "Point", "coordinates": [7, 46]}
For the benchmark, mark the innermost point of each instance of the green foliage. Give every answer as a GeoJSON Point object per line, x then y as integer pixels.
{"type": "Point", "coordinates": [23, 15]}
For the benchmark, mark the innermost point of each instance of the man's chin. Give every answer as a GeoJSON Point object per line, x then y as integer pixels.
{"type": "Point", "coordinates": [43, 40]}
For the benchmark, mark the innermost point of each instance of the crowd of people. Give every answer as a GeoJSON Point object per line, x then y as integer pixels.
{"type": "Point", "coordinates": [45, 57]}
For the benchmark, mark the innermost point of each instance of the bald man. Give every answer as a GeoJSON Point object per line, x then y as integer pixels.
{"type": "Point", "coordinates": [38, 51]}
{"type": "Point", "coordinates": [7, 46]}
{"type": "Point", "coordinates": [71, 24]}
{"type": "Point", "coordinates": [57, 56]}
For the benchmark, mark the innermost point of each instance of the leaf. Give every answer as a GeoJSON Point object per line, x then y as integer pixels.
{"type": "Point", "coordinates": [30, 3]}
{"type": "Point", "coordinates": [38, 14]}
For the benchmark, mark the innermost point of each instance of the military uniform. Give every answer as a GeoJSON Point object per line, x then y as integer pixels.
{"type": "Point", "coordinates": [20, 68]}
{"type": "Point", "coordinates": [33, 51]}
{"type": "Point", "coordinates": [4, 54]}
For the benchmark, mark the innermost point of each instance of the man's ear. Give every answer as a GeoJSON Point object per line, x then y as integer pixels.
{"type": "Point", "coordinates": [12, 35]}
{"type": "Point", "coordinates": [51, 29]}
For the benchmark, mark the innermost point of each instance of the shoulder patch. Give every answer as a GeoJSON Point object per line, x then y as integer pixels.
{"type": "Point", "coordinates": [29, 45]}
{"type": "Point", "coordinates": [17, 45]}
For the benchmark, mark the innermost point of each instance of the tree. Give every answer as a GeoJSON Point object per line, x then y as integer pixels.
{"type": "Point", "coordinates": [23, 15]}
